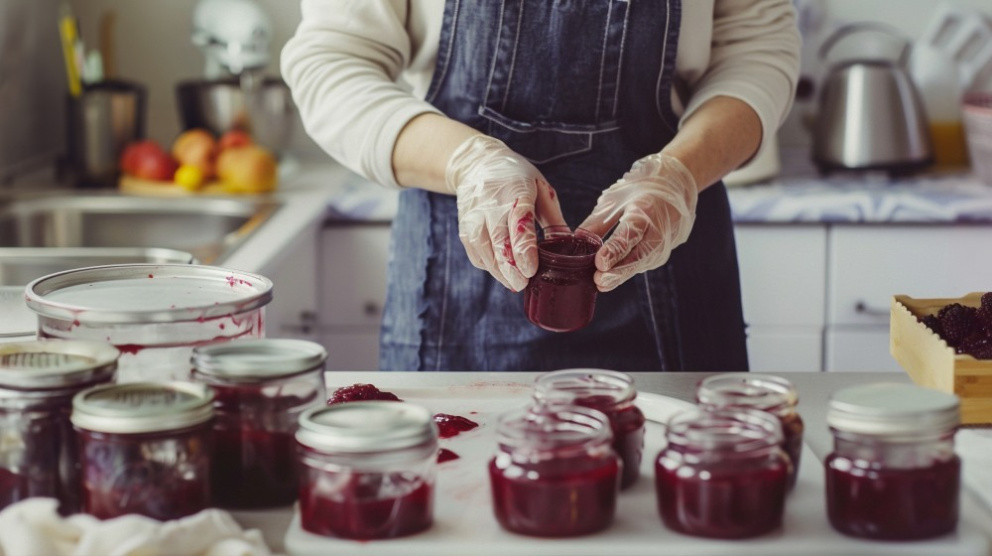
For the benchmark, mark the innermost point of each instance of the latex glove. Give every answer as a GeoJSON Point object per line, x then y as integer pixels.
{"type": "Point", "coordinates": [653, 207]}
{"type": "Point", "coordinates": [500, 194]}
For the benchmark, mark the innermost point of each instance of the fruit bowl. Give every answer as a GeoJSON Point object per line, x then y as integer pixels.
{"type": "Point", "coordinates": [930, 361]}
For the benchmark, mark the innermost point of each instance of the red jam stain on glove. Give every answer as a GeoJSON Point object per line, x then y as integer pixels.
{"type": "Point", "coordinates": [360, 392]}
{"type": "Point", "coordinates": [525, 222]}
{"type": "Point", "coordinates": [445, 454]}
{"type": "Point", "coordinates": [452, 425]}
{"type": "Point", "coordinates": [507, 253]}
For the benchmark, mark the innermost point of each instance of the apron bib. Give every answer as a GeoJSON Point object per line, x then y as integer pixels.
{"type": "Point", "coordinates": [582, 108]}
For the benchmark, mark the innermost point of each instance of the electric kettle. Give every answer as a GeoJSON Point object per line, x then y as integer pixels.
{"type": "Point", "coordinates": [870, 114]}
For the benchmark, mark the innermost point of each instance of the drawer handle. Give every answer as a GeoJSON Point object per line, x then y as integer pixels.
{"type": "Point", "coordinates": [372, 309]}
{"type": "Point", "coordinates": [865, 309]}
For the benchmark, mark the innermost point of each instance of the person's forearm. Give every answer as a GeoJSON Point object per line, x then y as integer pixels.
{"type": "Point", "coordinates": [719, 137]}
{"type": "Point", "coordinates": [423, 148]}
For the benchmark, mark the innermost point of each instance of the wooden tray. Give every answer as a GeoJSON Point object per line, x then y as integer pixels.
{"type": "Point", "coordinates": [930, 362]}
{"type": "Point", "coordinates": [140, 186]}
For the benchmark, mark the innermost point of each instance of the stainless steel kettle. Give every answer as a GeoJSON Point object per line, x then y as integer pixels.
{"type": "Point", "coordinates": [870, 114]}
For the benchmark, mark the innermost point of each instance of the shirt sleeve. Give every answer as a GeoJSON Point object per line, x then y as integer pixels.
{"type": "Point", "coordinates": [343, 66]}
{"type": "Point", "coordinates": [754, 57]}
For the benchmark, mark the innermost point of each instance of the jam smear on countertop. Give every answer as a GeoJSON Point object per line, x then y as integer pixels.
{"type": "Point", "coordinates": [445, 454]}
{"type": "Point", "coordinates": [369, 506]}
{"type": "Point", "coordinates": [452, 425]}
{"type": "Point", "coordinates": [360, 392]}
{"type": "Point", "coordinates": [893, 504]}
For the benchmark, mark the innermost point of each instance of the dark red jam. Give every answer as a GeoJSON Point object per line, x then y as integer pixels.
{"type": "Point", "coordinates": [561, 297]}
{"type": "Point", "coordinates": [452, 425]}
{"type": "Point", "coordinates": [367, 506]}
{"type": "Point", "coordinates": [627, 424]}
{"type": "Point", "coordinates": [162, 475]}
{"type": "Point", "coordinates": [556, 498]}
{"type": "Point", "coordinates": [893, 504]}
{"type": "Point", "coordinates": [44, 460]}
{"type": "Point", "coordinates": [445, 454]}
{"type": "Point", "coordinates": [360, 392]}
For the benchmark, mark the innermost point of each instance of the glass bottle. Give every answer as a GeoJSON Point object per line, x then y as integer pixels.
{"type": "Point", "coordinates": [893, 473]}
{"type": "Point", "coordinates": [611, 392]}
{"type": "Point", "coordinates": [773, 394]}
{"type": "Point", "coordinates": [723, 473]}
{"type": "Point", "coordinates": [367, 469]}
{"type": "Point", "coordinates": [555, 473]}
{"type": "Point", "coordinates": [145, 448]}
{"type": "Point", "coordinates": [261, 387]}
{"type": "Point", "coordinates": [561, 296]}
{"type": "Point", "coordinates": [38, 455]}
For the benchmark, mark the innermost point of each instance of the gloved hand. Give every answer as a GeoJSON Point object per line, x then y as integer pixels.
{"type": "Point", "coordinates": [654, 206]}
{"type": "Point", "coordinates": [499, 195]}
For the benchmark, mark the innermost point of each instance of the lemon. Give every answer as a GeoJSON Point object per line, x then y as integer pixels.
{"type": "Point", "coordinates": [189, 177]}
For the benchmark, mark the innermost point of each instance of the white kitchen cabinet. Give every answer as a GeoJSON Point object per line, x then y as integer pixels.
{"type": "Point", "coordinates": [294, 301]}
{"type": "Point", "coordinates": [352, 293]}
{"type": "Point", "coordinates": [783, 286]}
{"type": "Point", "coordinates": [859, 349]}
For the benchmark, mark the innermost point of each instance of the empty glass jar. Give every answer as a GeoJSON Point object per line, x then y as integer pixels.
{"type": "Point", "coordinates": [893, 473]}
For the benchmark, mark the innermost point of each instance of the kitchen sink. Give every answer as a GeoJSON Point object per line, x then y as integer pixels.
{"type": "Point", "coordinates": [209, 228]}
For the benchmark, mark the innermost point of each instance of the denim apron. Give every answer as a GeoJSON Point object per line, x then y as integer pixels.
{"type": "Point", "coordinates": [582, 88]}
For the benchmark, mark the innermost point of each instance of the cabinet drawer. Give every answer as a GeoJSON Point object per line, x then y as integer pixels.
{"type": "Point", "coordinates": [859, 349]}
{"type": "Point", "coordinates": [775, 350]}
{"type": "Point", "coordinates": [352, 284]}
{"type": "Point", "coordinates": [782, 274]}
{"type": "Point", "coordinates": [868, 265]}
{"type": "Point", "coordinates": [352, 351]}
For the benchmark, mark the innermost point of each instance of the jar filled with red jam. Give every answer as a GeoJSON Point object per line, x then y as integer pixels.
{"type": "Point", "coordinates": [769, 393]}
{"type": "Point", "coordinates": [561, 296]}
{"type": "Point", "coordinates": [367, 469]}
{"type": "Point", "coordinates": [611, 392]}
{"type": "Point", "coordinates": [555, 473]}
{"type": "Point", "coordinates": [261, 387]}
{"type": "Point", "coordinates": [38, 454]}
{"type": "Point", "coordinates": [893, 473]}
{"type": "Point", "coordinates": [722, 474]}
{"type": "Point", "coordinates": [144, 448]}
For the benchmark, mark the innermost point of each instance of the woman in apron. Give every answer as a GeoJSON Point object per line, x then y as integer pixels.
{"type": "Point", "coordinates": [537, 113]}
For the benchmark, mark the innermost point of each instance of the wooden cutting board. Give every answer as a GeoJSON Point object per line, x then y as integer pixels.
{"type": "Point", "coordinates": [140, 186]}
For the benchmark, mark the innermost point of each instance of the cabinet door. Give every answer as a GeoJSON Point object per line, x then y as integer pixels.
{"type": "Point", "coordinates": [868, 265]}
{"type": "Point", "coordinates": [859, 349]}
{"type": "Point", "coordinates": [352, 351]}
{"type": "Point", "coordinates": [352, 277]}
{"type": "Point", "coordinates": [292, 312]}
{"type": "Point", "coordinates": [784, 350]}
{"type": "Point", "coordinates": [783, 271]}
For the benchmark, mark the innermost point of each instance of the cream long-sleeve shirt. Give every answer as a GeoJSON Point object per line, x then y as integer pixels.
{"type": "Point", "coordinates": [359, 69]}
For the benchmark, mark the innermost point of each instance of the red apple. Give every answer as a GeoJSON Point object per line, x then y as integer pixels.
{"type": "Point", "coordinates": [234, 139]}
{"type": "Point", "coordinates": [155, 165]}
{"type": "Point", "coordinates": [136, 151]}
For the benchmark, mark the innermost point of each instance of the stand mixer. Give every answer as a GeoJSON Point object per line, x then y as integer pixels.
{"type": "Point", "coordinates": [234, 36]}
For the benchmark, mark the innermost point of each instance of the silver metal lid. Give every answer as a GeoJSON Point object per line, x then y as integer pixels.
{"type": "Point", "coordinates": [142, 407]}
{"type": "Point", "coordinates": [892, 409]}
{"type": "Point", "coordinates": [56, 364]}
{"type": "Point", "coordinates": [253, 360]}
{"type": "Point", "coordinates": [146, 293]}
{"type": "Point", "coordinates": [366, 427]}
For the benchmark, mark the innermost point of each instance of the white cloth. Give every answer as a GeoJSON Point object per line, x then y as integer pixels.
{"type": "Point", "coordinates": [33, 527]}
{"type": "Point", "coordinates": [352, 64]}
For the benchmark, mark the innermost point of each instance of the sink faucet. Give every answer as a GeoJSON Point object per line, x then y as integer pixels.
{"type": "Point", "coordinates": [234, 36]}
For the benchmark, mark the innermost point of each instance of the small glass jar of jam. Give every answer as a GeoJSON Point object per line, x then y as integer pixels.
{"type": "Point", "coordinates": [261, 387]}
{"type": "Point", "coordinates": [145, 448]}
{"type": "Point", "coordinates": [611, 392]}
{"type": "Point", "coordinates": [561, 296]}
{"type": "Point", "coordinates": [38, 379]}
{"type": "Point", "coordinates": [723, 473]}
{"type": "Point", "coordinates": [555, 473]}
{"type": "Point", "coordinates": [367, 469]}
{"type": "Point", "coordinates": [769, 393]}
{"type": "Point", "coordinates": [893, 473]}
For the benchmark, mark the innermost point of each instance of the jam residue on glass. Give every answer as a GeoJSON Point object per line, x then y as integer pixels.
{"type": "Point", "coordinates": [893, 504]}
{"type": "Point", "coordinates": [452, 425]}
{"type": "Point", "coordinates": [359, 393]}
{"type": "Point", "coordinates": [627, 423]}
{"type": "Point", "coordinates": [445, 454]}
{"type": "Point", "coordinates": [561, 296]}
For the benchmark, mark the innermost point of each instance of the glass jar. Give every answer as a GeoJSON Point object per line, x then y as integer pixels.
{"type": "Point", "coordinates": [555, 473]}
{"type": "Point", "coordinates": [260, 389]}
{"type": "Point", "coordinates": [773, 394]}
{"type": "Point", "coordinates": [367, 470]}
{"type": "Point", "coordinates": [722, 474]}
{"type": "Point", "coordinates": [155, 314]}
{"type": "Point", "coordinates": [38, 379]}
{"type": "Point", "coordinates": [611, 392]}
{"type": "Point", "coordinates": [144, 448]}
{"type": "Point", "coordinates": [893, 473]}
{"type": "Point", "coordinates": [561, 296]}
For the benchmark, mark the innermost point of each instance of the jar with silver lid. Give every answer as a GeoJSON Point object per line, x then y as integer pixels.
{"type": "Point", "coordinates": [38, 379]}
{"type": "Point", "coordinates": [893, 473]}
{"type": "Point", "coordinates": [261, 387]}
{"type": "Point", "coordinates": [144, 448]}
{"type": "Point", "coordinates": [367, 469]}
